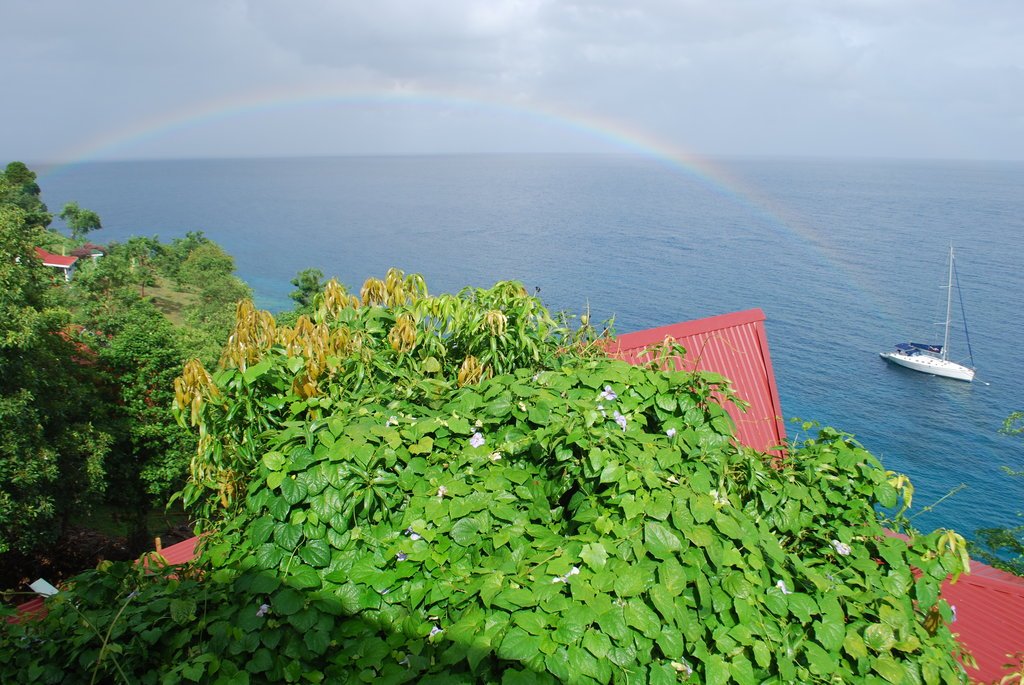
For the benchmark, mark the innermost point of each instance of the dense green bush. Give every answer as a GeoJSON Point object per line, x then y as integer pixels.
{"type": "Point", "coordinates": [416, 489]}
{"type": "Point", "coordinates": [54, 456]}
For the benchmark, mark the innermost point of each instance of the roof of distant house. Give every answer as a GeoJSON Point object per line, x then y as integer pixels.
{"type": "Point", "coordinates": [59, 261]}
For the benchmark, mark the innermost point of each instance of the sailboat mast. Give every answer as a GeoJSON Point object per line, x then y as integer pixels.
{"type": "Point", "coordinates": [949, 305]}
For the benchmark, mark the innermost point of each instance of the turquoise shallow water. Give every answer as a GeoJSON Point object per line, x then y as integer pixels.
{"type": "Point", "coordinates": [845, 258]}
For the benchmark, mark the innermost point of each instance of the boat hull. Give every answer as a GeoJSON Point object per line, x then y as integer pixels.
{"type": "Point", "coordinates": [932, 365]}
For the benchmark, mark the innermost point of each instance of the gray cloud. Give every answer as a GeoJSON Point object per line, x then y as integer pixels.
{"type": "Point", "coordinates": [931, 78]}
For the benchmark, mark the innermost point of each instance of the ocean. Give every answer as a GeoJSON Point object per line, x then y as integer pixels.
{"type": "Point", "coordinates": [845, 257]}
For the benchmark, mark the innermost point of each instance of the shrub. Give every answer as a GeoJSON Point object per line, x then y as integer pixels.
{"type": "Point", "coordinates": [387, 511]}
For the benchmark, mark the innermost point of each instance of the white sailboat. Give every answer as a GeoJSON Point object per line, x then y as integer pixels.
{"type": "Point", "coordinates": [934, 359]}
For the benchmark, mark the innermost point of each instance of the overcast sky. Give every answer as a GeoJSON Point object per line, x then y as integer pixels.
{"type": "Point", "coordinates": [210, 78]}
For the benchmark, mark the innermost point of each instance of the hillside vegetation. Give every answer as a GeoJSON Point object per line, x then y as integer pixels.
{"type": "Point", "coordinates": [88, 369]}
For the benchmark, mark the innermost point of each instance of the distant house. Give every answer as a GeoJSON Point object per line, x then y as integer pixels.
{"type": "Point", "coordinates": [56, 261]}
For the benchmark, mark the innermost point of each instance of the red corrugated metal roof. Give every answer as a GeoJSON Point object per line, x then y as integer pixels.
{"type": "Point", "coordinates": [33, 608]}
{"type": "Point", "coordinates": [989, 618]}
{"type": "Point", "coordinates": [50, 259]}
{"type": "Point", "coordinates": [180, 553]}
{"type": "Point", "coordinates": [732, 345]}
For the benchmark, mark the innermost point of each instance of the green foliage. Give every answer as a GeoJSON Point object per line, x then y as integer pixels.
{"type": "Point", "coordinates": [88, 369]}
{"type": "Point", "coordinates": [169, 258]}
{"type": "Point", "coordinates": [399, 341]}
{"type": "Point", "coordinates": [393, 513]}
{"type": "Point", "coordinates": [140, 353]}
{"type": "Point", "coordinates": [18, 188]}
{"type": "Point", "coordinates": [209, 271]}
{"type": "Point", "coordinates": [523, 522]}
{"type": "Point", "coordinates": [52, 456]}
{"type": "Point", "coordinates": [308, 283]}
{"type": "Point", "coordinates": [204, 261]}
{"type": "Point", "coordinates": [141, 362]}
{"type": "Point", "coordinates": [80, 221]}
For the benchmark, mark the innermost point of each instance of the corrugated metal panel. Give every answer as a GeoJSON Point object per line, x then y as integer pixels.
{"type": "Point", "coordinates": [180, 553]}
{"type": "Point", "coordinates": [989, 618]}
{"type": "Point", "coordinates": [31, 609]}
{"type": "Point", "coordinates": [734, 346]}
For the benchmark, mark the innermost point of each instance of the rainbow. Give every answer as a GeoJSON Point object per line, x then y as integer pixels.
{"type": "Point", "coordinates": [607, 134]}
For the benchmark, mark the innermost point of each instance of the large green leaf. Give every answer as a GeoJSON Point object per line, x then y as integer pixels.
{"type": "Point", "coordinates": [631, 580]}
{"type": "Point", "coordinates": [465, 532]}
{"type": "Point", "coordinates": [287, 535]}
{"type": "Point", "coordinates": [660, 540]}
{"type": "Point", "coordinates": [268, 556]}
{"type": "Point", "coordinates": [890, 669]}
{"type": "Point", "coordinates": [594, 555]}
{"type": "Point", "coordinates": [287, 601]}
{"type": "Point", "coordinates": [518, 645]}
{"type": "Point", "coordinates": [819, 660]}
{"type": "Point", "coordinates": [274, 461]}
{"type": "Point", "coordinates": [316, 553]}
{"type": "Point", "coordinates": [293, 490]}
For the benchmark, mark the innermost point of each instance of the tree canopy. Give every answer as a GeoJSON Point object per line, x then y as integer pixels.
{"type": "Point", "coordinates": [52, 454]}
{"type": "Point", "coordinates": [18, 188]}
{"type": "Point", "coordinates": [80, 221]}
{"type": "Point", "coordinates": [308, 283]}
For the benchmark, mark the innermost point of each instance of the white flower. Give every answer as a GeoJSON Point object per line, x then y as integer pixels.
{"type": "Point", "coordinates": [441, 491]}
{"type": "Point", "coordinates": [495, 456]}
{"type": "Point", "coordinates": [574, 571]}
{"type": "Point", "coordinates": [720, 500]}
{"type": "Point", "coordinates": [477, 440]}
{"type": "Point", "coordinates": [522, 406]}
{"type": "Point", "coordinates": [262, 611]}
{"type": "Point", "coordinates": [392, 421]}
{"type": "Point", "coordinates": [682, 667]}
{"type": "Point", "coordinates": [782, 587]}
{"type": "Point", "coordinates": [841, 548]}
{"type": "Point", "coordinates": [671, 432]}
{"type": "Point", "coordinates": [608, 393]}
{"type": "Point", "coordinates": [434, 630]}
{"type": "Point", "coordinates": [620, 419]}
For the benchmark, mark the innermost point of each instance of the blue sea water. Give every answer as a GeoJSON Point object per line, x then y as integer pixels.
{"type": "Point", "coordinates": [845, 258]}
